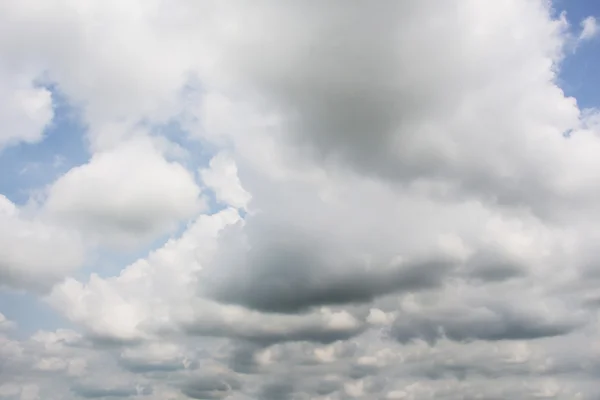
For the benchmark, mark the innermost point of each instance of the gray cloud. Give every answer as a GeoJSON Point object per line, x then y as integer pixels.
{"type": "Point", "coordinates": [290, 273]}
{"type": "Point", "coordinates": [358, 371]}
{"type": "Point", "coordinates": [143, 367]}
{"type": "Point", "coordinates": [371, 95]}
{"type": "Point", "coordinates": [309, 331]}
{"type": "Point", "coordinates": [325, 387]}
{"type": "Point", "coordinates": [242, 358]}
{"type": "Point", "coordinates": [154, 356]}
{"type": "Point", "coordinates": [211, 386]}
{"type": "Point", "coordinates": [483, 323]}
{"type": "Point", "coordinates": [97, 391]}
{"type": "Point", "coordinates": [277, 390]}
{"type": "Point", "coordinates": [490, 266]}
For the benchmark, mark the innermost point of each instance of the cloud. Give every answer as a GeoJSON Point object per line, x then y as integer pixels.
{"type": "Point", "coordinates": [483, 323]}
{"type": "Point", "coordinates": [8, 390]}
{"type": "Point", "coordinates": [156, 356]}
{"type": "Point", "coordinates": [5, 323]}
{"type": "Point", "coordinates": [149, 290]}
{"type": "Point", "coordinates": [211, 386]}
{"type": "Point", "coordinates": [106, 74]}
{"type": "Point", "coordinates": [407, 202]}
{"type": "Point", "coordinates": [291, 277]}
{"type": "Point", "coordinates": [163, 298]}
{"type": "Point", "coordinates": [125, 196]}
{"type": "Point", "coordinates": [33, 253]}
{"type": "Point", "coordinates": [221, 176]}
{"type": "Point", "coordinates": [323, 326]}
{"type": "Point", "coordinates": [27, 105]}
{"type": "Point", "coordinates": [422, 121]}
{"type": "Point", "coordinates": [26, 112]}
{"type": "Point", "coordinates": [277, 390]}
{"type": "Point", "coordinates": [589, 29]}
{"type": "Point", "coordinates": [95, 392]}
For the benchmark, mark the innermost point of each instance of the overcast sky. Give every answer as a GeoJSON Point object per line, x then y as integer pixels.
{"type": "Point", "coordinates": [294, 200]}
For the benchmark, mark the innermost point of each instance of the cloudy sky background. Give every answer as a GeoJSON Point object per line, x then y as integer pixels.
{"type": "Point", "coordinates": [294, 200]}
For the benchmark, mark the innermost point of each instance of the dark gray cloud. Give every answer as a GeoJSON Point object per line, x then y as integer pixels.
{"type": "Point", "coordinates": [139, 366]}
{"type": "Point", "coordinates": [242, 358]}
{"type": "Point", "coordinates": [211, 386]}
{"type": "Point", "coordinates": [110, 341]}
{"type": "Point", "coordinates": [483, 323]}
{"type": "Point", "coordinates": [493, 266]}
{"type": "Point", "coordinates": [297, 289]}
{"type": "Point", "coordinates": [293, 273]}
{"type": "Point", "coordinates": [359, 371]}
{"type": "Point", "coordinates": [325, 387]}
{"type": "Point", "coordinates": [310, 331]}
{"type": "Point", "coordinates": [277, 390]}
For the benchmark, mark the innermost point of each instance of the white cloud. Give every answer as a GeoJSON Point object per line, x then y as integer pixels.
{"type": "Point", "coordinates": [26, 110]}
{"type": "Point", "coordinates": [148, 292]}
{"type": "Point", "coordinates": [221, 176]}
{"type": "Point", "coordinates": [589, 28]}
{"type": "Point", "coordinates": [34, 254]}
{"type": "Point", "coordinates": [125, 196]}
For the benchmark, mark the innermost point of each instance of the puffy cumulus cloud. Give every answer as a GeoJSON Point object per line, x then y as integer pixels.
{"type": "Point", "coordinates": [151, 292]}
{"type": "Point", "coordinates": [312, 244]}
{"type": "Point", "coordinates": [159, 294]}
{"type": "Point", "coordinates": [391, 87]}
{"type": "Point", "coordinates": [425, 124]}
{"type": "Point", "coordinates": [126, 195]}
{"type": "Point", "coordinates": [410, 203]}
{"type": "Point", "coordinates": [34, 254]}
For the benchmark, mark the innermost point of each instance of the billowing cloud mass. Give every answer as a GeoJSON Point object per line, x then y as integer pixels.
{"type": "Point", "coordinates": [391, 201]}
{"type": "Point", "coordinates": [125, 195]}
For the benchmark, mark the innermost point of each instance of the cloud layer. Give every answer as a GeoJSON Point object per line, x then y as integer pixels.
{"type": "Point", "coordinates": [391, 202]}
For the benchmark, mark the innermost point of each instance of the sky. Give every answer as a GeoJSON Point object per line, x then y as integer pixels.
{"type": "Point", "coordinates": [277, 200]}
